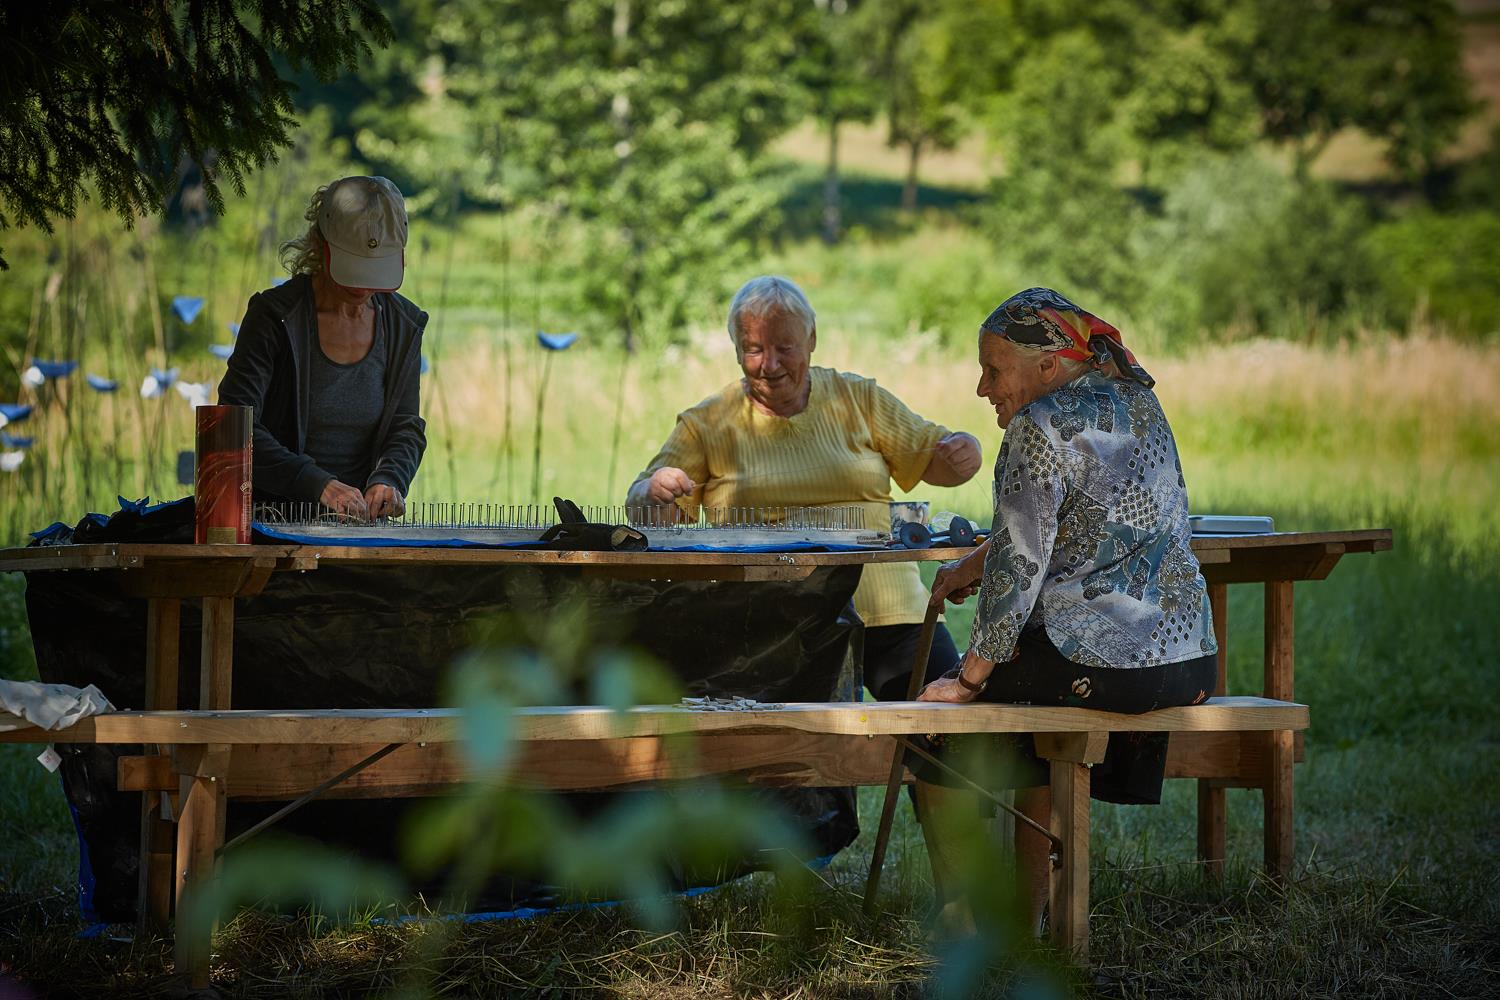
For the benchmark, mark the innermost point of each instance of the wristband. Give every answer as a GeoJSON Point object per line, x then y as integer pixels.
{"type": "Point", "coordinates": [957, 673]}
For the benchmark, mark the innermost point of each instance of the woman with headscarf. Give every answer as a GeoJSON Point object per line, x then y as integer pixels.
{"type": "Point", "coordinates": [1089, 594]}
{"type": "Point", "coordinates": [330, 360]}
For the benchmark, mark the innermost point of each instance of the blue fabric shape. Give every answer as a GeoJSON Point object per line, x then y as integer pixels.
{"type": "Point", "coordinates": [283, 534]}
{"type": "Point", "coordinates": [527, 912]}
{"type": "Point", "coordinates": [278, 282]}
{"type": "Point", "coordinates": [86, 880]}
{"type": "Point", "coordinates": [556, 341]}
{"type": "Point", "coordinates": [144, 505]}
{"type": "Point", "coordinates": [14, 413]}
{"type": "Point", "coordinates": [101, 384]}
{"type": "Point", "coordinates": [54, 369]}
{"type": "Point", "coordinates": [10, 441]}
{"type": "Point", "coordinates": [187, 307]}
{"type": "Point", "coordinates": [221, 351]}
{"type": "Point", "coordinates": [55, 530]}
{"type": "Point", "coordinates": [234, 329]}
{"type": "Point", "coordinates": [424, 367]}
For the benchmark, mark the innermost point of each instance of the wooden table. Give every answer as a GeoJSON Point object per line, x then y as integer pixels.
{"type": "Point", "coordinates": [216, 575]}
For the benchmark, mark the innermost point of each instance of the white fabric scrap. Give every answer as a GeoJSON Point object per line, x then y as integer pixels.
{"type": "Point", "coordinates": [48, 706]}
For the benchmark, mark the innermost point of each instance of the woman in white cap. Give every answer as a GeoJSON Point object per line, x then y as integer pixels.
{"type": "Point", "coordinates": [330, 359]}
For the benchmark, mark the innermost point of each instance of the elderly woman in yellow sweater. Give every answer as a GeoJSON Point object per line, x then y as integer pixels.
{"type": "Point", "coordinates": [788, 434]}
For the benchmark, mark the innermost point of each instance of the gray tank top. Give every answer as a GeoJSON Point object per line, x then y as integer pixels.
{"type": "Point", "coordinates": [346, 404]}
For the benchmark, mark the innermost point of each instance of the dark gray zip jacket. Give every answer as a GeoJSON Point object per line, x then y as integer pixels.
{"type": "Point", "coordinates": [270, 370]}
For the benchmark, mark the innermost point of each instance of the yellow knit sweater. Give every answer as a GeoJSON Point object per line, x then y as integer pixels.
{"type": "Point", "coordinates": [842, 450]}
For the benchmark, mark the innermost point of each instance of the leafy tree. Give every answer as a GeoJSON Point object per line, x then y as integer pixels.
{"type": "Point", "coordinates": [646, 119]}
{"type": "Point", "coordinates": [1060, 205]}
{"type": "Point", "coordinates": [114, 96]}
{"type": "Point", "coordinates": [1391, 68]}
{"type": "Point", "coordinates": [934, 60]}
{"type": "Point", "coordinates": [841, 91]}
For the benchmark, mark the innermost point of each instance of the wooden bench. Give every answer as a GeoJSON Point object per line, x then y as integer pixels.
{"type": "Point", "coordinates": [205, 757]}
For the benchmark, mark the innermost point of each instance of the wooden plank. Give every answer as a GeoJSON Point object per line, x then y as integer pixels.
{"type": "Point", "coordinates": [1295, 562]}
{"type": "Point", "coordinates": [1280, 633]}
{"type": "Point", "coordinates": [1069, 887]}
{"type": "Point", "coordinates": [721, 574]}
{"type": "Point", "coordinates": [119, 555]}
{"type": "Point", "coordinates": [1355, 539]}
{"type": "Point", "coordinates": [1233, 714]}
{"type": "Point", "coordinates": [1279, 843]}
{"type": "Point", "coordinates": [1212, 807]}
{"type": "Point", "coordinates": [199, 834]}
{"type": "Point", "coordinates": [1077, 748]}
{"type": "Point", "coordinates": [154, 874]}
{"type": "Point", "coordinates": [285, 771]}
{"type": "Point", "coordinates": [216, 664]}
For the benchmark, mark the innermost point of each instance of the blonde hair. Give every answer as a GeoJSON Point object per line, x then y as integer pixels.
{"type": "Point", "coordinates": [304, 254]}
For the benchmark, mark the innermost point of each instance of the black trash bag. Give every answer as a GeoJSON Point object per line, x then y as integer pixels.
{"type": "Point", "coordinates": [368, 637]}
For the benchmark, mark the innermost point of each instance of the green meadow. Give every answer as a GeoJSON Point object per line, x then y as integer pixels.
{"type": "Point", "coordinates": [1396, 889]}
{"type": "Point", "coordinates": [1322, 417]}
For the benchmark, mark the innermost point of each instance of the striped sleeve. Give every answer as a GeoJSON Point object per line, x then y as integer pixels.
{"type": "Point", "coordinates": [683, 450]}
{"type": "Point", "coordinates": [902, 437]}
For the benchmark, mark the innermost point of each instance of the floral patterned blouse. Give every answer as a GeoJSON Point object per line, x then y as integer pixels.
{"type": "Point", "coordinates": [1090, 538]}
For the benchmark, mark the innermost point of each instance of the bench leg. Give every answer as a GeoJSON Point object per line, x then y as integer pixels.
{"type": "Point", "coordinates": [200, 832]}
{"type": "Point", "coordinates": [154, 890]}
{"type": "Point", "coordinates": [1212, 813]}
{"type": "Point", "coordinates": [1279, 625]}
{"type": "Point", "coordinates": [1070, 755]}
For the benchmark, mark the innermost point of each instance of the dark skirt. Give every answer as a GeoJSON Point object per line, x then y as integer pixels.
{"type": "Point", "coordinates": [1134, 763]}
{"type": "Point", "coordinates": [890, 651]}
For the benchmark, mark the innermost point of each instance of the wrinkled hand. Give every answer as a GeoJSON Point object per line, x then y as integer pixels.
{"type": "Point", "coordinates": [961, 453]}
{"type": "Point", "coordinates": [344, 499]}
{"type": "Point", "coordinates": [947, 689]}
{"type": "Point", "coordinates": [958, 580]}
{"type": "Point", "coordinates": [384, 501]}
{"type": "Point", "coordinates": [667, 484]}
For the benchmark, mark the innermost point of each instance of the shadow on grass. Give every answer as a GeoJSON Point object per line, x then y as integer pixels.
{"type": "Point", "coordinates": [871, 204]}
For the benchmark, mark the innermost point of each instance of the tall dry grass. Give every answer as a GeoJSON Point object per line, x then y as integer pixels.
{"type": "Point", "coordinates": [1350, 431]}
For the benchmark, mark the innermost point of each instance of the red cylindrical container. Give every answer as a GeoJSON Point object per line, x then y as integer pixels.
{"type": "Point", "coordinates": [222, 478]}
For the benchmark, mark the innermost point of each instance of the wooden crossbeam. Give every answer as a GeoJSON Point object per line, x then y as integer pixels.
{"type": "Point", "coordinates": [331, 726]}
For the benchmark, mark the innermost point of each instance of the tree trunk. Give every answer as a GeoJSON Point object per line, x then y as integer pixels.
{"type": "Point", "coordinates": [620, 115]}
{"type": "Point", "coordinates": [909, 192]}
{"type": "Point", "coordinates": [832, 212]}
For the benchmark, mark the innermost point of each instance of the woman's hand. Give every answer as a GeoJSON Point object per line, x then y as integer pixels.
{"type": "Point", "coordinates": [954, 461]}
{"type": "Point", "coordinates": [384, 501]}
{"type": "Point", "coordinates": [667, 484]}
{"type": "Point", "coordinates": [951, 690]}
{"type": "Point", "coordinates": [344, 499]}
{"type": "Point", "coordinates": [958, 580]}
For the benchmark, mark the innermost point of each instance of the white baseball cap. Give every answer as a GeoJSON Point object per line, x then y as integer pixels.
{"type": "Point", "coordinates": [363, 222]}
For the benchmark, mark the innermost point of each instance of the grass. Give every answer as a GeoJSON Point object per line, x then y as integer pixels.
{"type": "Point", "coordinates": [1397, 824]}
{"type": "Point", "coordinates": [1396, 892]}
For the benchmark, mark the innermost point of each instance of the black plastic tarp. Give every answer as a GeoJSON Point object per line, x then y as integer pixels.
{"type": "Point", "coordinates": [383, 637]}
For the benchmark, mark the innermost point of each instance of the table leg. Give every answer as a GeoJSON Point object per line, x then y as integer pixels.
{"type": "Point", "coordinates": [154, 892]}
{"type": "Point", "coordinates": [217, 662]}
{"type": "Point", "coordinates": [1212, 846]}
{"type": "Point", "coordinates": [1280, 629]}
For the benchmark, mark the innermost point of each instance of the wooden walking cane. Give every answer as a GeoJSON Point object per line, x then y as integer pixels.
{"type": "Point", "coordinates": [898, 760]}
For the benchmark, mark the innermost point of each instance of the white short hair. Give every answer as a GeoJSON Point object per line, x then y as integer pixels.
{"type": "Point", "coordinates": [766, 294]}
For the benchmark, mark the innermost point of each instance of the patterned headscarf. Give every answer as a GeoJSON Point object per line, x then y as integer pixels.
{"type": "Point", "coordinates": [1041, 318]}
